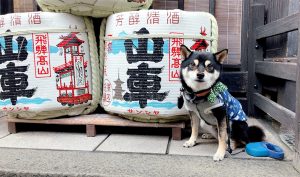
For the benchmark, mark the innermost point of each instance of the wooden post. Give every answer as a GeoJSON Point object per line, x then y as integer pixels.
{"type": "Point", "coordinates": [296, 160]}
{"type": "Point", "coordinates": [176, 133]}
{"type": "Point", "coordinates": [181, 4]}
{"type": "Point", "coordinates": [12, 127]}
{"type": "Point", "coordinates": [6, 6]}
{"type": "Point", "coordinates": [212, 6]}
{"type": "Point", "coordinates": [91, 130]}
{"type": "Point", "coordinates": [255, 53]}
{"type": "Point", "coordinates": [244, 37]}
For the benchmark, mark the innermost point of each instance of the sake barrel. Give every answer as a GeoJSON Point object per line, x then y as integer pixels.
{"type": "Point", "coordinates": [49, 65]}
{"type": "Point", "coordinates": [141, 60]}
{"type": "Point", "coordinates": [94, 8]}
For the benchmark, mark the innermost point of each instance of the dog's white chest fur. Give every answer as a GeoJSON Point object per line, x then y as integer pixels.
{"type": "Point", "coordinates": [203, 110]}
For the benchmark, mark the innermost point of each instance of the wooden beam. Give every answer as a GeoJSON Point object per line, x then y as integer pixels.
{"type": "Point", "coordinates": [276, 111]}
{"type": "Point", "coordinates": [296, 160]}
{"type": "Point", "coordinates": [90, 121]}
{"type": "Point", "coordinates": [255, 53]}
{"type": "Point", "coordinates": [283, 25]}
{"type": "Point", "coordinates": [277, 69]}
{"type": "Point", "coordinates": [282, 59]}
{"type": "Point", "coordinates": [99, 119]}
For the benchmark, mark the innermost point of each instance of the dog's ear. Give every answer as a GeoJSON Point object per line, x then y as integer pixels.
{"type": "Point", "coordinates": [185, 52]}
{"type": "Point", "coordinates": [221, 55]}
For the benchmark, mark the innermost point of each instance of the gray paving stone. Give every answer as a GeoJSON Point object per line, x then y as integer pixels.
{"type": "Point", "coordinates": [52, 140]}
{"type": "Point", "coordinates": [135, 143]}
{"type": "Point", "coordinates": [204, 147]}
{"type": "Point", "coordinates": [3, 128]}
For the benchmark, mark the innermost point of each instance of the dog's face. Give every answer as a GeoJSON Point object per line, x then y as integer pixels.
{"type": "Point", "coordinates": [200, 70]}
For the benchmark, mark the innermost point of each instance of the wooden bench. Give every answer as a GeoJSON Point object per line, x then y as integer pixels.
{"type": "Point", "coordinates": [91, 121]}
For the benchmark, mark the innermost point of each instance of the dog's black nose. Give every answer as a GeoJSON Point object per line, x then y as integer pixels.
{"type": "Point", "coordinates": [200, 75]}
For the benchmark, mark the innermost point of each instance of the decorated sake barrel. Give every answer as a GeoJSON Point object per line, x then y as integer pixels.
{"type": "Point", "coordinates": [94, 8]}
{"type": "Point", "coordinates": [140, 57]}
{"type": "Point", "coordinates": [48, 65]}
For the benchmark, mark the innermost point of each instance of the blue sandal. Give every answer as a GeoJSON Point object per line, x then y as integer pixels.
{"type": "Point", "coordinates": [264, 149]}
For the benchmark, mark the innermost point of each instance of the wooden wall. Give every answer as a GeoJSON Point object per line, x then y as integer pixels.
{"type": "Point", "coordinates": [229, 16]}
{"type": "Point", "coordinates": [25, 5]}
{"type": "Point", "coordinates": [279, 47]}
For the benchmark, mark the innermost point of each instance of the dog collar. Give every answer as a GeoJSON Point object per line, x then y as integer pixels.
{"type": "Point", "coordinates": [203, 93]}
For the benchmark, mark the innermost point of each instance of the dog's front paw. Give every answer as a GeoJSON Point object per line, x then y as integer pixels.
{"type": "Point", "coordinates": [219, 156]}
{"type": "Point", "coordinates": [189, 143]}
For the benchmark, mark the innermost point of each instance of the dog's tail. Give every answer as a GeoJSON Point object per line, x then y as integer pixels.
{"type": "Point", "coordinates": [240, 131]}
{"type": "Point", "coordinates": [255, 134]}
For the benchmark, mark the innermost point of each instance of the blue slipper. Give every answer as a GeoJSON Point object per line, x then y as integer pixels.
{"type": "Point", "coordinates": [264, 149]}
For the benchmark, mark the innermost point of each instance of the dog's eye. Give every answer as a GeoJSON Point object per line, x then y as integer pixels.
{"type": "Point", "coordinates": [192, 64]}
{"type": "Point", "coordinates": [209, 68]}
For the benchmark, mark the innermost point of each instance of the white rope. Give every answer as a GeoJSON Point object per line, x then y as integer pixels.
{"type": "Point", "coordinates": [166, 35]}
{"type": "Point", "coordinates": [42, 30]}
{"type": "Point", "coordinates": [102, 53]}
{"type": "Point", "coordinates": [91, 9]}
{"type": "Point", "coordinates": [94, 66]}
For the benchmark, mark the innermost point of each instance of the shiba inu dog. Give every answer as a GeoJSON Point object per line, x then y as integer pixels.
{"type": "Point", "coordinates": [209, 103]}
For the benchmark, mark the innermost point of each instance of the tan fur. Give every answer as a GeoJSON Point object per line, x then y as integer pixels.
{"type": "Point", "coordinates": [222, 146]}
{"type": "Point", "coordinates": [207, 62]}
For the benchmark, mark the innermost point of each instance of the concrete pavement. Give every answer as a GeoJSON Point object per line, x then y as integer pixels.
{"type": "Point", "coordinates": [28, 162]}
{"type": "Point", "coordinates": [126, 153]}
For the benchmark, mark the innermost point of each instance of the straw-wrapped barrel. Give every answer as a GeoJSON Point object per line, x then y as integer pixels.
{"type": "Point", "coordinates": [48, 65]}
{"type": "Point", "coordinates": [140, 58]}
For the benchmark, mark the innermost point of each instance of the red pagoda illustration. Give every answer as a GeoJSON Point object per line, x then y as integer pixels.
{"type": "Point", "coordinates": [200, 44]}
{"type": "Point", "coordinates": [71, 82]}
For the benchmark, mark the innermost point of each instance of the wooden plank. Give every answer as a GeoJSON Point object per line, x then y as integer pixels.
{"type": "Point", "coordinates": [99, 119]}
{"type": "Point", "coordinates": [255, 53]}
{"type": "Point", "coordinates": [235, 81]}
{"type": "Point", "coordinates": [286, 95]}
{"type": "Point", "coordinates": [276, 111]}
{"type": "Point", "coordinates": [277, 69]}
{"type": "Point", "coordinates": [283, 25]}
{"type": "Point", "coordinates": [282, 59]}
